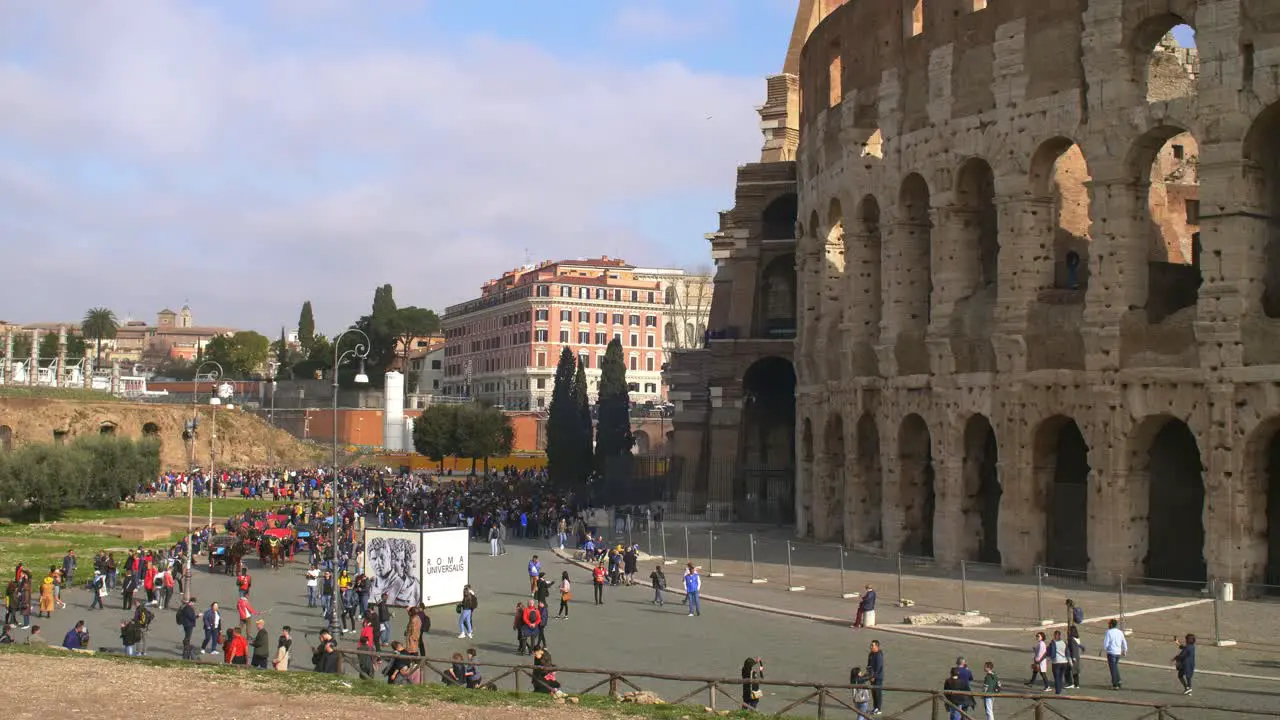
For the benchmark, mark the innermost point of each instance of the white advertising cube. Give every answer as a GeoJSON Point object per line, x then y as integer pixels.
{"type": "Point", "coordinates": [417, 566]}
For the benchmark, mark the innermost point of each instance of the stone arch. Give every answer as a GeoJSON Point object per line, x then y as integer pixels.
{"type": "Point", "coordinates": [863, 285]}
{"type": "Point", "coordinates": [6, 438]}
{"type": "Point", "coordinates": [1162, 69]}
{"type": "Point", "coordinates": [980, 503]}
{"type": "Point", "coordinates": [833, 297]}
{"type": "Point", "coordinates": [768, 436]}
{"type": "Point", "coordinates": [777, 298]}
{"type": "Point", "coordinates": [778, 221]}
{"type": "Point", "coordinates": [1259, 525]}
{"type": "Point", "coordinates": [975, 258]}
{"type": "Point", "coordinates": [916, 494]}
{"type": "Point", "coordinates": [1262, 173]}
{"type": "Point", "coordinates": [150, 429]}
{"type": "Point", "coordinates": [869, 484]}
{"type": "Point", "coordinates": [107, 428]}
{"type": "Point", "coordinates": [1060, 500]}
{"type": "Point", "coordinates": [642, 446]}
{"type": "Point", "coordinates": [828, 506]}
{"type": "Point", "coordinates": [1059, 179]}
{"type": "Point", "coordinates": [669, 333]}
{"type": "Point", "coordinates": [1163, 166]}
{"type": "Point", "coordinates": [913, 265]}
{"type": "Point", "coordinates": [1167, 499]}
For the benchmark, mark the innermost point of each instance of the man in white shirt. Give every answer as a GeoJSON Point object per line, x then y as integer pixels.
{"type": "Point", "coordinates": [1115, 646]}
{"type": "Point", "coordinates": [313, 577]}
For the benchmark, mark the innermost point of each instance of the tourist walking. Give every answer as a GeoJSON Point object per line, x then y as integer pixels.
{"type": "Point", "coordinates": [1040, 662]}
{"type": "Point", "coordinates": [597, 582]}
{"type": "Point", "coordinates": [693, 589]}
{"type": "Point", "coordinates": [284, 646]}
{"type": "Point", "coordinates": [659, 581]}
{"type": "Point", "coordinates": [953, 689]}
{"type": "Point", "coordinates": [1075, 651]}
{"type": "Point", "coordinates": [212, 622]}
{"type": "Point", "coordinates": [1060, 660]}
{"type": "Point", "coordinates": [1185, 661]}
{"type": "Point", "coordinates": [535, 569]}
{"type": "Point", "coordinates": [752, 674]}
{"type": "Point", "coordinates": [1114, 646]}
{"type": "Point", "coordinates": [566, 594]}
{"type": "Point", "coordinates": [992, 687]}
{"type": "Point", "coordinates": [465, 609]}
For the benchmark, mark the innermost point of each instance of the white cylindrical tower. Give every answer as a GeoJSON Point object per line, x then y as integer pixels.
{"type": "Point", "coordinates": [408, 434]}
{"type": "Point", "coordinates": [393, 413]}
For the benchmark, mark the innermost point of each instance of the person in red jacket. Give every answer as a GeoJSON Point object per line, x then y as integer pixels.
{"type": "Point", "coordinates": [243, 583]}
{"type": "Point", "coordinates": [246, 613]}
{"type": "Point", "coordinates": [149, 583]}
{"type": "Point", "coordinates": [236, 651]}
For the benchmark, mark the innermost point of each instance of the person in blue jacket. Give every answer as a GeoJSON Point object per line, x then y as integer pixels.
{"type": "Point", "coordinates": [693, 588]}
{"type": "Point", "coordinates": [1185, 662]}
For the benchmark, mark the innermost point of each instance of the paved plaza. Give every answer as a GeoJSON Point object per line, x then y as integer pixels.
{"type": "Point", "coordinates": [630, 634]}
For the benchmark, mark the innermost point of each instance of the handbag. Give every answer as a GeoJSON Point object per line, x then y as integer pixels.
{"type": "Point", "coordinates": [566, 597]}
{"type": "Point", "coordinates": [757, 694]}
{"type": "Point", "coordinates": [458, 608]}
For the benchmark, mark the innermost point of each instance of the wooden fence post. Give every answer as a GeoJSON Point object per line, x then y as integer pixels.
{"type": "Point", "coordinates": [711, 694]}
{"type": "Point", "coordinates": [517, 674]}
{"type": "Point", "coordinates": [937, 709]}
{"type": "Point", "coordinates": [822, 702]}
{"type": "Point", "coordinates": [613, 687]}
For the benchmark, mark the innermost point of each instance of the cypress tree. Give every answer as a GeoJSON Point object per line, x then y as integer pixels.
{"type": "Point", "coordinates": [582, 401]}
{"type": "Point", "coordinates": [306, 327]}
{"type": "Point", "coordinates": [613, 428]}
{"type": "Point", "coordinates": [565, 461]}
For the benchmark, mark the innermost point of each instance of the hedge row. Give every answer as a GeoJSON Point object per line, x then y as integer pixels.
{"type": "Point", "coordinates": [96, 471]}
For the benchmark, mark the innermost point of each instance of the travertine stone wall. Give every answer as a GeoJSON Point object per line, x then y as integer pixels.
{"type": "Point", "coordinates": [1018, 250]}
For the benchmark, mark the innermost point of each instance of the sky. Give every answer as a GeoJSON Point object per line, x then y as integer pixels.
{"type": "Point", "coordinates": [243, 156]}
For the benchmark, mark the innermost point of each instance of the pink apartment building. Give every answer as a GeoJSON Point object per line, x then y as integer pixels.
{"type": "Point", "coordinates": [503, 346]}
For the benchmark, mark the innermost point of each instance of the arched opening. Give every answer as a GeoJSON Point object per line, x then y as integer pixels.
{"type": "Point", "coordinates": [833, 297]}
{"type": "Point", "coordinates": [982, 491]}
{"type": "Point", "coordinates": [1166, 62]}
{"type": "Point", "coordinates": [874, 145]}
{"type": "Point", "coordinates": [805, 480]}
{"type": "Point", "coordinates": [6, 438]}
{"type": "Point", "coordinates": [1262, 171]}
{"type": "Point", "coordinates": [868, 527]}
{"type": "Point", "coordinates": [150, 430]}
{"type": "Point", "coordinates": [60, 437]}
{"type": "Point", "coordinates": [767, 469]}
{"type": "Point", "coordinates": [1061, 462]}
{"type": "Point", "coordinates": [778, 222]}
{"type": "Point", "coordinates": [1166, 484]}
{"type": "Point", "coordinates": [669, 333]}
{"type": "Point", "coordinates": [1059, 218]}
{"type": "Point", "coordinates": [777, 298]}
{"type": "Point", "coordinates": [862, 268]}
{"type": "Point", "coordinates": [641, 442]}
{"type": "Point", "coordinates": [107, 428]}
{"type": "Point", "coordinates": [1260, 508]}
{"type": "Point", "coordinates": [914, 287]}
{"type": "Point", "coordinates": [1165, 160]}
{"type": "Point", "coordinates": [976, 254]}
{"type": "Point", "coordinates": [828, 523]}
{"type": "Point", "coordinates": [915, 486]}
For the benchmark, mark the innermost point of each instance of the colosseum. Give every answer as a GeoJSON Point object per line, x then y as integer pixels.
{"type": "Point", "coordinates": [1037, 261]}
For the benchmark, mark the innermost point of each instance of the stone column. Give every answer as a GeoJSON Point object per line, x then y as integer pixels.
{"type": "Point", "coordinates": [1026, 266]}
{"type": "Point", "coordinates": [893, 514]}
{"type": "Point", "coordinates": [1117, 509]}
{"type": "Point", "coordinates": [115, 377]}
{"type": "Point", "coordinates": [905, 285]}
{"type": "Point", "coordinates": [950, 545]}
{"type": "Point", "coordinates": [955, 266]}
{"type": "Point", "coordinates": [1118, 272]}
{"type": "Point", "coordinates": [831, 313]}
{"type": "Point", "coordinates": [33, 368]}
{"type": "Point", "coordinates": [1230, 553]}
{"type": "Point", "coordinates": [61, 365]}
{"type": "Point", "coordinates": [1233, 266]}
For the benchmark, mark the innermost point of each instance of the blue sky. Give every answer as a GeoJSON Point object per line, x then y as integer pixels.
{"type": "Point", "coordinates": [247, 155]}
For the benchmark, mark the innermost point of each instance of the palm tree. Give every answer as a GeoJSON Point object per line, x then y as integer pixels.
{"type": "Point", "coordinates": [100, 324]}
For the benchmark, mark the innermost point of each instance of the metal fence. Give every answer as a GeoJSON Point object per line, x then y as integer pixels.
{"type": "Point", "coordinates": [1146, 608]}
{"type": "Point", "coordinates": [787, 697]}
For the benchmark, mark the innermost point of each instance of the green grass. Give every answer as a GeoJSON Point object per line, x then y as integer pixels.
{"type": "Point", "coordinates": [50, 393]}
{"type": "Point", "coordinates": [222, 508]}
{"type": "Point", "coordinates": [309, 684]}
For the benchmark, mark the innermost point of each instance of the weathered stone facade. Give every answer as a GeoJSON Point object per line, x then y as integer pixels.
{"type": "Point", "coordinates": [1027, 336]}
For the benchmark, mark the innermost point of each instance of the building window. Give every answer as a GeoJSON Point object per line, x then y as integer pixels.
{"type": "Point", "coordinates": [435, 383]}
{"type": "Point", "coordinates": [913, 18]}
{"type": "Point", "coordinates": [542, 359]}
{"type": "Point", "coordinates": [542, 315]}
{"type": "Point", "coordinates": [1193, 212]}
{"type": "Point", "coordinates": [435, 364]}
{"type": "Point", "coordinates": [600, 293]}
{"type": "Point", "coordinates": [585, 360]}
{"type": "Point", "coordinates": [602, 339]}
{"type": "Point", "coordinates": [651, 296]}
{"type": "Point", "coordinates": [583, 293]}
{"type": "Point", "coordinates": [617, 296]}
{"type": "Point", "coordinates": [651, 321]}
{"type": "Point", "coordinates": [635, 320]}
{"type": "Point", "coordinates": [635, 363]}
{"type": "Point", "coordinates": [617, 336]}
{"type": "Point", "coordinates": [566, 315]}
{"type": "Point", "coordinates": [635, 340]}
{"type": "Point", "coordinates": [564, 337]}
{"type": "Point", "coordinates": [541, 383]}
{"type": "Point", "coordinates": [584, 317]}
{"type": "Point", "coordinates": [649, 341]}
{"type": "Point", "coordinates": [584, 337]}
{"type": "Point", "coordinates": [602, 317]}
{"type": "Point", "coordinates": [635, 296]}
{"type": "Point", "coordinates": [544, 291]}
{"type": "Point", "coordinates": [617, 318]}
{"type": "Point", "coordinates": [648, 363]}
{"type": "Point", "coordinates": [542, 402]}
{"type": "Point", "coordinates": [633, 387]}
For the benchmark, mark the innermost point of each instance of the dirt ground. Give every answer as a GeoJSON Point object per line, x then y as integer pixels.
{"type": "Point", "coordinates": [45, 687]}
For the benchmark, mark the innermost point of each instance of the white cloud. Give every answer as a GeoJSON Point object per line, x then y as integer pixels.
{"type": "Point", "coordinates": [653, 20]}
{"type": "Point", "coordinates": [263, 175]}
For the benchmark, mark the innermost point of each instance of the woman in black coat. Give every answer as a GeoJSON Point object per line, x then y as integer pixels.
{"type": "Point", "coordinates": [752, 673]}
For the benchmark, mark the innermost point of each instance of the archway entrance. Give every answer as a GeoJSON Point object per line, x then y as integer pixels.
{"type": "Point", "coordinates": [1062, 475]}
{"type": "Point", "coordinates": [1174, 478]}
{"type": "Point", "coordinates": [982, 491]}
{"type": "Point", "coordinates": [150, 429]}
{"type": "Point", "coordinates": [868, 527]}
{"type": "Point", "coordinates": [764, 486]}
{"type": "Point", "coordinates": [107, 428]}
{"type": "Point", "coordinates": [1272, 479]}
{"type": "Point", "coordinates": [830, 503]}
{"type": "Point", "coordinates": [915, 486]}
{"type": "Point", "coordinates": [642, 446]}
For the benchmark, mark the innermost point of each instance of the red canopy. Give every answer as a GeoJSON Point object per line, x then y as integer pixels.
{"type": "Point", "coordinates": [258, 524]}
{"type": "Point", "coordinates": [280, 519]}
{"type": "Point", "coordinates": [282, 533]}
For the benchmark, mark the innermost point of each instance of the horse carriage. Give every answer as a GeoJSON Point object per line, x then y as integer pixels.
{"type": "Point", "coordinates": [276, 547]}
{"type": "Point", "coordinates": [226, 552]}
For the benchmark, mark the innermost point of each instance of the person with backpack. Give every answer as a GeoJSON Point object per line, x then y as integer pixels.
{"type": "Point", "coordinates": [861, 693]}
{"type": "Point", "coordinates": [991, 686]}
{"type": "Point", "coordinates": [130, 637]}
{"type": "Point", "coordinates": [1075, 651]}
{"type": "Point", "coordinates": [143, 616]}
{"type": "Point", "coordinates": [466, 608]}
{"type": "Point", "coordinates": [1075, 613]}
{"type": "Point", "coordinates": [186, 619]}
{"type": "Point", "coordinates": [98, 589]}
{"type": "Point", "coordinates": [659, 581]}
{"type": "Point", "coordinates": [1185, 661]}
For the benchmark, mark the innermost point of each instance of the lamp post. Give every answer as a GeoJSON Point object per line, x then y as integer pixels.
{"type": "Point", "coordinates": [215, 372]}
{"type": "Point", "coordinates": [361, 351]}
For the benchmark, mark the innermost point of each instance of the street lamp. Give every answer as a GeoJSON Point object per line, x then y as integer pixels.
{"type": "Point", "coordinates": [222, 396]}
{"type": "Point", "coordinates": [215, 372]}
{"type": "Point", "coordinates": [361, 350]}
{"type": "Point", "coordinates": [273, 367]}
